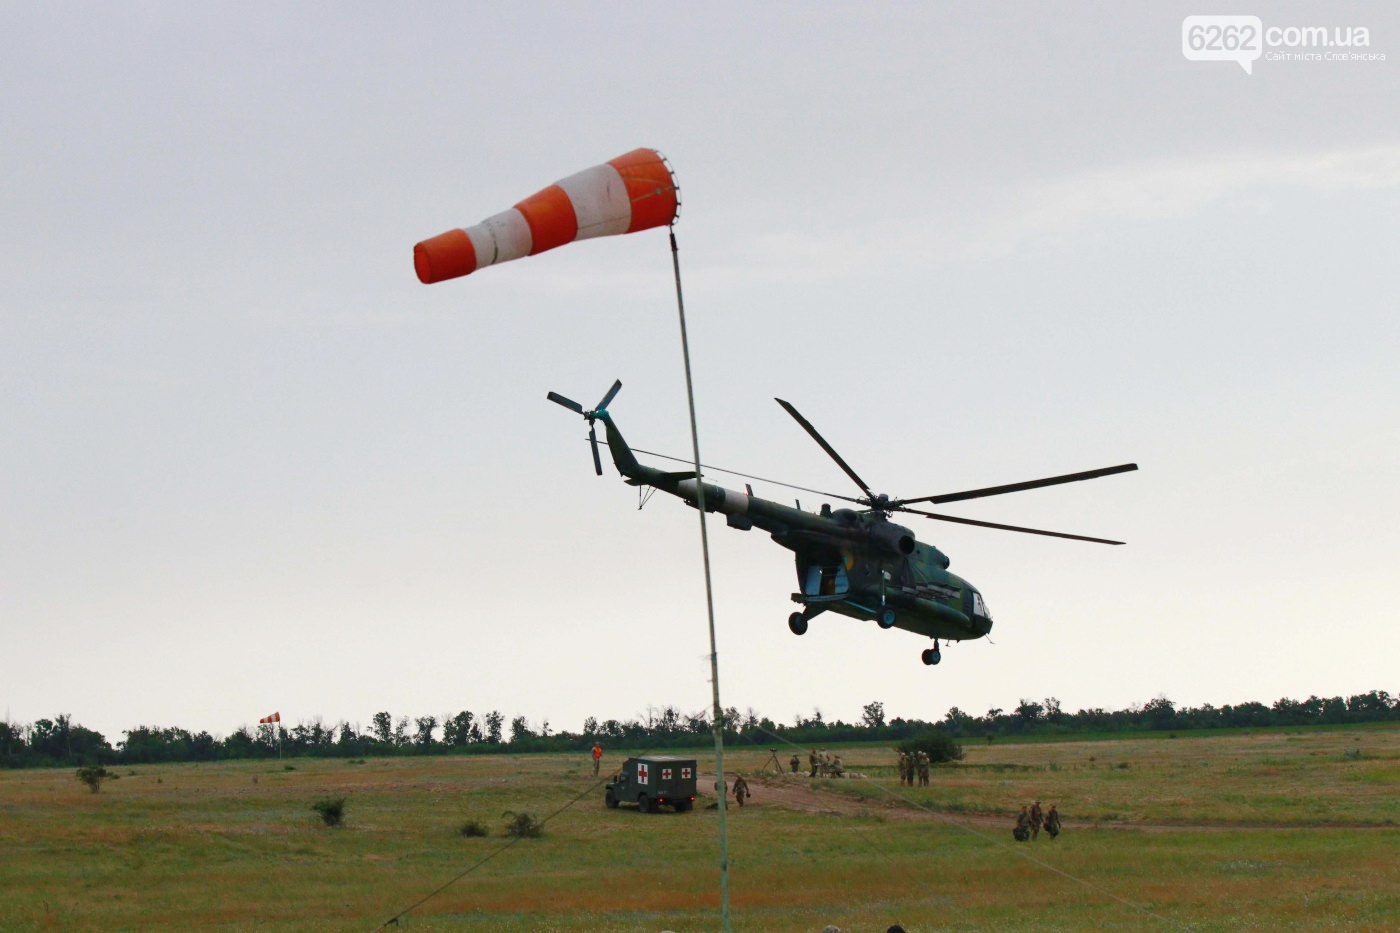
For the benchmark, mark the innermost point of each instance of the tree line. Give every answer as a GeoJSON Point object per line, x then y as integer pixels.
{"type": "Point", "coordinates": [61, 742]}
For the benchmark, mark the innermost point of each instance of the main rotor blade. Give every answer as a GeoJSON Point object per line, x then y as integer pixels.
{"type": "Point", "coordinates": [831, 452]}
{"type": "Point", "coordinates": [566, 402]}
{"type": "Point", "coordinates": [1029, 531]}
{"type": "Point", "coordinates": [609, 397]}
{"type": "Point", "coordinates": [761, 479]}
{"type": "Point", "coordinates": [1019, 487]}
{"type": "Point", "coordinates": [593, 440]}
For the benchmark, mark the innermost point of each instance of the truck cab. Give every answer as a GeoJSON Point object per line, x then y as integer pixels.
{"type": "Point", "coordinates": [651, 780]}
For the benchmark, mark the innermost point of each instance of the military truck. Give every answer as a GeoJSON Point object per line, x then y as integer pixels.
{"type": "Point", "coordinates": [651, 780]}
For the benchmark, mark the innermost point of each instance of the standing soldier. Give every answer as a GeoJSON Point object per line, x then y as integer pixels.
{"type": "Point", "coordinates": [741, 790]}
{"type": "Point", "coordinates": [812, 761]}
{"type": "Point", "coordinates": [1052, 822]}
{"type": "Point", "coordinates": [1022, 832]}
{"type": "Point", "coordinates": [597, 757]}
{"type": "Point", "coordinates": [1037, 819]}
{"type": "Point", "coordinates": [923, 768]}
{"type": "Point", "coordinates": [794, 762]}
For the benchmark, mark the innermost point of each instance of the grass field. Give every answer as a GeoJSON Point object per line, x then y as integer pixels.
{"type": "Point", "coordinates": [1274, 830]}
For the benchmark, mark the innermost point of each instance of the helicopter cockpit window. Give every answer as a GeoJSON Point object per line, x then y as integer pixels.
{"type": "Point", "coordinates": [979, 607]}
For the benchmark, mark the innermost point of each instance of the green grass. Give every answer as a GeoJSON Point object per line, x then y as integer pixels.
{"type": "Point", "coordinates": [1296, 839]}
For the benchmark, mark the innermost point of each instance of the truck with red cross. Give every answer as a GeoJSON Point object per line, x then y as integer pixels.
{"type": "Point", "coordinates": [652, 780]}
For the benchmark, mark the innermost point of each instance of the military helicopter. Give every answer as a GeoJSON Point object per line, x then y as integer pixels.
{"type": "Point", "coordinates": [855, 562]}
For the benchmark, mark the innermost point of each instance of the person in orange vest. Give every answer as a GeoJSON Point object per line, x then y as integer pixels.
{"type": "Point", "coordinates": [597, 757]}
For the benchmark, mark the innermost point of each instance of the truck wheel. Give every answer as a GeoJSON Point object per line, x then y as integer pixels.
{"type": "Point", "coordinates": [643, 803]}
{"type": "Point", "coordinates": [611, 801]}
{"type": "Point", "coordinates": [683, 806]}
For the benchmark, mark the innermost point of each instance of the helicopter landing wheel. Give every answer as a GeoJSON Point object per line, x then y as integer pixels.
{"type": "Point", "coordinates": [797, 623]}
{"type": "Point", "coordinates": [931, 656]}
{"type": "Point", "coordinates": [885, 619]}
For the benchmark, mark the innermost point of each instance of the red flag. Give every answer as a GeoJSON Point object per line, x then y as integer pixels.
{"type": "Point", "coordinates": [275, 717]}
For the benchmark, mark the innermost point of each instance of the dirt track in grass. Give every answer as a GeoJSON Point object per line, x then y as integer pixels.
{"type": "Point", "coordinates": [814, 795]}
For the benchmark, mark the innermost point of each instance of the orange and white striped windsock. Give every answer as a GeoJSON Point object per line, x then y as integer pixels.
{"type": "Point", "coordinates": [636, 191]}
{"type": "Point", "coordinates": [275, 717]}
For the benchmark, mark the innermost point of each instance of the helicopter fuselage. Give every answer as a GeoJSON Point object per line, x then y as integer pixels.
{"type": "Point", "coordinates": [856, 564]}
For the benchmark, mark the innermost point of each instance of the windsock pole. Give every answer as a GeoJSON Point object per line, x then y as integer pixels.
{"type": "Point", "coordinates": [717, 717]}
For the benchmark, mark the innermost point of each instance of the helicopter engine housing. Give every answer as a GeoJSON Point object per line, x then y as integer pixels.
{"type": "Point", "coordinates": [892, 539]}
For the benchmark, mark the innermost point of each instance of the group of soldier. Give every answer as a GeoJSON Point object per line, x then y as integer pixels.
{"type": "Point", "coordinates": [913, 766]}
{"type": "Point", "coordinates": [1032, 819]}
{"type": "Point", "coordinates": [820, 763]}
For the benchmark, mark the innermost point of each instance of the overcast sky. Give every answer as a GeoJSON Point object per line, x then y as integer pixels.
{"type": "Point", "coordinates": [248, 463]}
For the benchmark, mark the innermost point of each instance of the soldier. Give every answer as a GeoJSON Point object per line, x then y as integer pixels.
{"type": "Point", "coordinates": [836, 769]}
{"type": "Point", "coordinates": [903, 769]}
{"type": "Point", "coordinates": [1052, 822]}
{"type": "Point", "coordinates": [923, 768]}
{"type": "Point", "coordinates": [741, 790]}
{"type": "Point", "coordinates": [1022, 832]}
{"type": "Point", "coordinates": [1037, 820]}
{"type": "Point", "coordinates": [812, 760]}
{"type": "Point", "coordinates": [794, 762]}
{"type": "Point", "coordinates": [597, 757]}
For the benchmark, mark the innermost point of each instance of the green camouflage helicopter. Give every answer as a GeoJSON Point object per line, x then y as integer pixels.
{"type": "Point", "coordinates": [854, 562]}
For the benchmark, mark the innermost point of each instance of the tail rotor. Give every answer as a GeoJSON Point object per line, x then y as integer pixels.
{"type": "Point", "coordinates": [591, 416]}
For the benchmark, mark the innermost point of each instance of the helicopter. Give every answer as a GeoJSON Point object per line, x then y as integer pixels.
{"type": "Point", "coordinates": [854, 562]}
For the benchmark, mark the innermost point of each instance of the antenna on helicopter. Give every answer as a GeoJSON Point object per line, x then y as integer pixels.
{"type": "Point", "coordinates": [592, 416]}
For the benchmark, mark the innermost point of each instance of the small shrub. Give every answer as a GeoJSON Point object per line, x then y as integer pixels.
{"type": "Point", "coordinates": [936, 743]}
{"type": "Point", "coordinates": [472, 828]}
{"type": "Point", "coordinates": [94, 776]}
{"type": "Point", "coordinates": [1352, 754]}
{"type": "Point", "coordinates": [332, 810]}
{"type": "Point", "coordinates": [289, 767]}
{"type": "Point", "coordinates": [1122, 766]}
{"type": "Point", "coordinates": [522, 825]}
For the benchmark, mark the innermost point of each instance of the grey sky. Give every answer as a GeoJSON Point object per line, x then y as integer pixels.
{"type": "Point", "coordinates": [248, 463]}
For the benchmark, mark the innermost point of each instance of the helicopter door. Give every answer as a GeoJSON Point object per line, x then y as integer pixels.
{"type": "Point", "coordinates": [826, 581]}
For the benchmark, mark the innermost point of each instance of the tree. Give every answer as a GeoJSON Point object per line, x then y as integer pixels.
{"type": "Point", "coordinates": [383, 726]}
{"type": "Point", "coordinates": [958, 722]}
{"type": "Point", "coordinates": [423, 738]}
{"type": "Point", "coordinates": [1159, 713]}
{"type": "Point", "coordinates": [1028, 711]}
{"type": "Point", "coordinates": [520, 730]}
{"type": "Point", "coordinates": [493, 726]}
{"type": "Point", "coordinates": [873, 715]}
{"type": "Point", "coordinates": [590, 726]}
{"type": "Point", "coordinates": [457, 730]}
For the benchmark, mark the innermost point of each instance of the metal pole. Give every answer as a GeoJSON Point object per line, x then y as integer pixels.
{"type": "Point", "coordinates": [718, 714]}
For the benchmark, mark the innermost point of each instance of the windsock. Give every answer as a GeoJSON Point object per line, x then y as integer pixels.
{"type": "Point", "coordinates": [275, 717]}
{"type": "Point", "coordinates": [636, 191]}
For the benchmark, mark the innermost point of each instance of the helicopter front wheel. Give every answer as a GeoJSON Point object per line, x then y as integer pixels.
{"type": "Point", "coordinates": [797, 623]}
{"type": "Point", "coordinates": [931, 655]}
{"type": "Point", "coordinates": [885, 619]}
